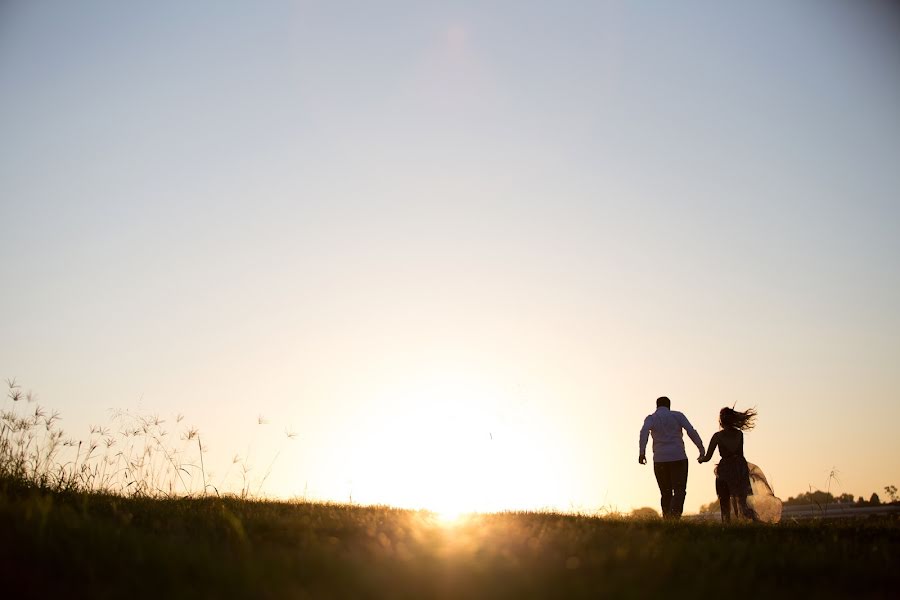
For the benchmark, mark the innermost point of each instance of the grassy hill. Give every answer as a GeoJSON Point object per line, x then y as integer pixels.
{"type": "Point", "coordinates": [72, 545]}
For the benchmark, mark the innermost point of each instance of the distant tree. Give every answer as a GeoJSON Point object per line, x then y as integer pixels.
{"type": "Point", "coordinates": [812, 497]}
{"type": "Point", "coordinates": [644, 513]}
{"type": "Point", "coordinates": [891, 491]}
{"type": "Point", "coordinates": [712, 507]}
{"type": "Point", "coordinates": [874, 500]}
{"type": "Point", "coordinates": [861, 500]}
{"type": "Point", "coordinates": [844, 499]}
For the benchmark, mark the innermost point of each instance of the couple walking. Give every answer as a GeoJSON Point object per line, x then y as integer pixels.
{"type": "Point", "coordinates": [670, 463]}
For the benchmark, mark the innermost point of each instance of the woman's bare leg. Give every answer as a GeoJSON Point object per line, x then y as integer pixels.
{"type": "Point", "coordinates": [724, 500]}
{"type": "Point", "coordinates": [725, 508]}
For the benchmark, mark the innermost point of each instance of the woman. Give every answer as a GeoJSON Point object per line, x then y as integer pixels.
{"type": "Point", "coordinates": [732, 472]}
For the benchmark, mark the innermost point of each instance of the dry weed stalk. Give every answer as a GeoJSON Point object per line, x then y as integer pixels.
{"type": "Point", "coordinates": [133, 456]}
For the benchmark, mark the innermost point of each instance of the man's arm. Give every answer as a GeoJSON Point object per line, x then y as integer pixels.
{"type": "Point", "coordinates": [642, 444]}
{"type": "Point", "coordinates": [692, 433]}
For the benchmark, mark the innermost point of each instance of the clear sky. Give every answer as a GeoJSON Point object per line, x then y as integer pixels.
{"type": "Point", "coordinates": [460, 248]}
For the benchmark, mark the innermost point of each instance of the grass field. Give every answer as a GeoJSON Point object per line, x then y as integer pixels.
{"type": "Point", "coordinates": [129, 512]}
{"type": "Point", "coordinates": [90, 545]}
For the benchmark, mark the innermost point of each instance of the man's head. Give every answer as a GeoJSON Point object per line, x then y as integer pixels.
{"type": "Point", "coordinates": [663, 401]}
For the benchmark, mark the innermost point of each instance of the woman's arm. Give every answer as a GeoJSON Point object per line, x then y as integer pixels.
{"type": "Point", "coordinates": [713, 442]}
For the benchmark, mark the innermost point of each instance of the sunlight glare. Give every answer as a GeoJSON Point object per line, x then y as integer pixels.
{"type": "Point", "coordinates": [443, 443]}
{"type": "Point", "coordinates": [450, 517]}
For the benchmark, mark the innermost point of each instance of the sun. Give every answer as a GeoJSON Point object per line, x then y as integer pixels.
{"type": "Point", "coordinates": [450, 517]}
{"type": "Point", "coordinates": [441, 443]}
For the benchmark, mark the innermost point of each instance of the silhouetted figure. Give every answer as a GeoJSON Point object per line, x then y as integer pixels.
{"type": "Point", "coordinates": [732, 472]}
{"type": "Point", "coordinates": [670, 463]}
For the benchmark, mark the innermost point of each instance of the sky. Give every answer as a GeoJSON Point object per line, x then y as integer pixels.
{"type": "Point", "coordinates": [460, 248]}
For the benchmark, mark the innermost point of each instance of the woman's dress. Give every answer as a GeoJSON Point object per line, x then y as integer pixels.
{"type": "Point", "coordinates": [733, 474]}
{"type": "Point", "coordinates": [737, 479]}
{"type": "Point", "coordinates": [765, 505]}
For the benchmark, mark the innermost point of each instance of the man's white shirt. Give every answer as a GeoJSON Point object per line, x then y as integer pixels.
{"type": "Point", "coordinates": [668, 444]}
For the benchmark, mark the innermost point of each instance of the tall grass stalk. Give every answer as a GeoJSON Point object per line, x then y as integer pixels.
{"type": "Point", "coordinates": [133, 456]}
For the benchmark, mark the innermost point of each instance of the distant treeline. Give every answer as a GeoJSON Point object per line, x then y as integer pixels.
{"type": "Point", "coordinates": [821, 498]}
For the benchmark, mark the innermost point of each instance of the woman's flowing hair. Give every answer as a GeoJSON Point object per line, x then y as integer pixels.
{"type": "Point", "coordinates": [735, 419]}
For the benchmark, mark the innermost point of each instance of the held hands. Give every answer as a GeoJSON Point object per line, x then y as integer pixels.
{"type": "Point", "coordinates": [702, 459]}
{"type": "Point", "coordinates": [642, 459]}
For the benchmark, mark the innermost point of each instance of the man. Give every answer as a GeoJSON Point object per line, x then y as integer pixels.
{"type": "Point", "coordinates": [670, 463]}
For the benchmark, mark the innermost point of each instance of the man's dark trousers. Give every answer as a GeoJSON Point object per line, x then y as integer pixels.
{"type": "Point", "coordinates": [672, 480]}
